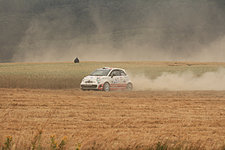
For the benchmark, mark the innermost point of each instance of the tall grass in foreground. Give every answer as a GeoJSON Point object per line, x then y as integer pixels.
{"type": "Point", "coordinates": [36, 144]}
{"type": "Point", "coordinates": [69, 75]}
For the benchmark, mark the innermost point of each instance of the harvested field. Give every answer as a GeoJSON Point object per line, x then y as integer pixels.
{"type": "Point", "coordinates": [113, 120]}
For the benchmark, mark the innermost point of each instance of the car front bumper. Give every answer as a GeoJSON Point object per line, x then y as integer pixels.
{"type": "Point", "coordinates": [91, 86]}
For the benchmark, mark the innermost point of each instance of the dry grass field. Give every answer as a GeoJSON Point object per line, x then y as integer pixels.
{"type": "Point", "coordinates": [114, 120]}
{"type": "Point", "coordinates": [46, 97]}
{"type": "Point", "coordinates": [69, 75]}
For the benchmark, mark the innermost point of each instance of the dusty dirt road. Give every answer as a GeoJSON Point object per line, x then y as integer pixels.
{"type": "Point", "coordinates": [115, 119]}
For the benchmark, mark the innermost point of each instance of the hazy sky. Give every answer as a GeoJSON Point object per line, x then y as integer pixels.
{"type": "Point", "coordinates": [106, 30]}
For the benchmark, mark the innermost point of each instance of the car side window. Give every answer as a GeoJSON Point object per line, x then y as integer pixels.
{"type": "Point", "coordinates": [115, 73]}
{"type": "Point", "coordinates": [122, 73]}
{"type": "Point", "coordinates": [118, 73]}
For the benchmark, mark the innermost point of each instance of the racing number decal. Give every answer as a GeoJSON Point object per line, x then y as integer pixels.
{"type": "Point", "coordinates": [115, 80]}
{"type": "Point", "coordinates": [123, 80]}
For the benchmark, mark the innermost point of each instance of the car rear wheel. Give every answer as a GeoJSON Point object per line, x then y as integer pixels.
{"type": "Point", "coordinates": [129, 86]}
{"type": "Point", "coordinates": [106, 87]}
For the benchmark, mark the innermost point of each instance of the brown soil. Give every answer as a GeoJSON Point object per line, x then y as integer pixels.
{"type": "Point", "coordinates": [115, 119]}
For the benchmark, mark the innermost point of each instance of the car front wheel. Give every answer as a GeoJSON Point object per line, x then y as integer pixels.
{"type": "Point", "coordinates": [106, 87]}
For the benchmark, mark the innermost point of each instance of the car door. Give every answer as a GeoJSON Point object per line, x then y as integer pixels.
{"type": "Point", "coordinates": [124, 78]}
{"type": "Point", "coordinates": [115, 79]}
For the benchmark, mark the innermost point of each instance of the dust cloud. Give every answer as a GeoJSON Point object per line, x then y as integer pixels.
{"type": "Point", "coordinates": [185, 81]}
{"type": "Point", "coordinates": [125, 31]}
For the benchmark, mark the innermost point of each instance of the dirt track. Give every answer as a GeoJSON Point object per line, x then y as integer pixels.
{"type": "Point", "coordinates": [114, 119]}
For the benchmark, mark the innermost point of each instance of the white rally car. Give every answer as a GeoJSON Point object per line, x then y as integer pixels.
{"type": "Point", "coordinates": [107, 79]}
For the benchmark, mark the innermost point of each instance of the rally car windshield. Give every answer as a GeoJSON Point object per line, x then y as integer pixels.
{"type": "Point", "coordinates": [100, 72]}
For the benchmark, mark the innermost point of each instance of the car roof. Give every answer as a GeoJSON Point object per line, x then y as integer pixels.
{"type": "Point", "coordinates": [107, 68]}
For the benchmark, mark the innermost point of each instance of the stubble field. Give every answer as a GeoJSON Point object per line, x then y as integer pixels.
{"type": "Point", "coordinates": [113, 120]}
